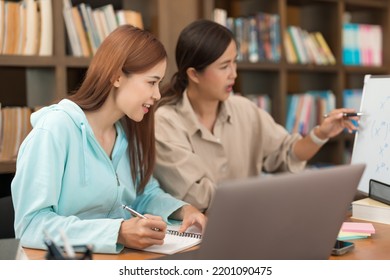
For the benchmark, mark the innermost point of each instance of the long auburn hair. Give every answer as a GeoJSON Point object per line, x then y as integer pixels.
{"type": "Point", "coordinates": [128, 50]}
{"type": "Point", "coordinates": [199, 44]}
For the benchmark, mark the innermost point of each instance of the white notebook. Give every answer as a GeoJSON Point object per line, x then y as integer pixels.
{"type": "Point", "coordinates": [175, 242]}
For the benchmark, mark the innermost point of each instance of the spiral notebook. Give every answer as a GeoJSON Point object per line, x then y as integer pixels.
{"type": "Point", "coordinates": [175, 241]}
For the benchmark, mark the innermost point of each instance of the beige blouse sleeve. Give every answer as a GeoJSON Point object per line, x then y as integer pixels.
{"type": "Point", "coordinates": [277, 146]}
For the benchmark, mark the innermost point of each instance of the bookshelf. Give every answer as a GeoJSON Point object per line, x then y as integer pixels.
{"type": "Point", "coordinates": [38, 80]}
{"type": "Point", "coordinates": [278, 79]}
{"type": "Point", "coordinates": [41, 80]}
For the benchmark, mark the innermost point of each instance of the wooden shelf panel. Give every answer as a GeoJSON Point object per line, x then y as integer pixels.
{"type": "Point", "coordinates": [27, 61]}
{"type": "Point", "coordinates": [81, 62]}
{"type": "Point", "coordinates": [367, 4]}
{"type": "Point", "coordinates": [312, 68]}
{"type": "Point", "coordinates": [266, 66]}
{"type": "Point", "coordinates": [8, 166]}
{"type": "Point", "coordinates": [366, 70]}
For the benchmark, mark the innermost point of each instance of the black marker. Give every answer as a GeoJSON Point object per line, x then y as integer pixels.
{"type": "Point", "coordinates": [347, 115]}
{"type": "Point", "coordinates": [352, 114]}
{"type": "Point", "coordinates": [54, 252]}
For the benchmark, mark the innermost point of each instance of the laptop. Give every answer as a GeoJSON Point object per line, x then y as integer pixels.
{"type": "Point", "coordinates": [285, 216]}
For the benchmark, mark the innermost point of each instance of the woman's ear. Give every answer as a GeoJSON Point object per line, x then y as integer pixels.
{"type": "Point", "coordinates": [117, 82]}
{"type": "Point", "coordinates": [192, 75]}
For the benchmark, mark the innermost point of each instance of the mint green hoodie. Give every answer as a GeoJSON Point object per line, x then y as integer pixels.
{"type": "Point", "coordinates": [65, 181]}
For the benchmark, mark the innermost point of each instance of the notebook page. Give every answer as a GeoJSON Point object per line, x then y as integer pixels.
{"type": "Point", "coordinates": [175, 243]}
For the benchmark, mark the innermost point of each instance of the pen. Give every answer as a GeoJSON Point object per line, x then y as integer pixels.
{"type": "Point", "coordinates": [133, 212]}
{"type": "Point", "coordinates": [68, 248]}
{"type": "Point", "coordinates": [347, 115]}
{"type": "Point", "coordinates": [136, 214]}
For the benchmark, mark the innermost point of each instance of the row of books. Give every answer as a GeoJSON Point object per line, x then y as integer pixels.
{"type": "Point", "coordinates": [362, 44]}
{"type": "Point", "coordinates": [26, 27]}
{"type": "Point", "coordinates": [306, 110]}
{"type": "Point", "coordinates": [352, 98]}
{"type": "Point", "coordinates": [14, 127]}
{"type": "Point", "coordinates": [87, 28]}
{"type": "Point", "coordinates": [306, 47]}
{"type": "Point", "coordinates": [262, 101]}
{"type": "Point", "coordinates": [257, 37]}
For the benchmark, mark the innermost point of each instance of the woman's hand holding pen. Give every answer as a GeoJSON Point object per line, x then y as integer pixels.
{"type": "Point", "coordinates": [335, 122]}
{"type": "Point", "coordinates": [139, 233]}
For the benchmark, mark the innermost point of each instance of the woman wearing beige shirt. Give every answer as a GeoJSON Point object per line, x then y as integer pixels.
{"type": "Point", "coordinates": [206, 135]}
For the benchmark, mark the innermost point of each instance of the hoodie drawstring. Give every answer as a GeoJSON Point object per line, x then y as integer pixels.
{"type": "Point", "coordinates": [84, 145]}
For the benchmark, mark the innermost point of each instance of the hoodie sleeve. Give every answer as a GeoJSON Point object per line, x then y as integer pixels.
{"type": "Point", "coordinates": [157, 202]}
{"type": "Point", "coordinates": [36, 190]}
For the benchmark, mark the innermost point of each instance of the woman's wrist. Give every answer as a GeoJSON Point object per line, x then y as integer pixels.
{"type": "Point", "coordinates": [315, 138]}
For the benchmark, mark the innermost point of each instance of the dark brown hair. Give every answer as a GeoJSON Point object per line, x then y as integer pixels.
{"type": "Point", "coordinates": [126, 50]}
{"type": "Point", "coordinates": [199, 44]}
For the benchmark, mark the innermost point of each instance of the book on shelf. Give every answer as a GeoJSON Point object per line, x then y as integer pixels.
{"type": "Point", "coordinates": [262, 101]}
{"type": "Point", "coordinates": [253, 48]}
{"type": "Point", "coordinates": [352, 98]}
{"type": "Point", "coordinates": [267, 36]}
{"type": "Point", "coordinates": [70, 24]}
{"type": "Point", "coordinates": [312, 53]}
{"type": "Point", "coordinates": [376, 45]}
{"type": "Point", "coordinates": [100, 23]}
{"type": "Point", "coordinates": [175, 242]}
{"type": "Point", "coordinates": [257, 36]}
{"type": "Point", "coordinates": [32, 29]}
{"type": "Point", "coordinates": [129, 17]}
{"type": "Point", "coordinates": [88, 27]}
{"type": "Point", "coordinates": [371, 210]}
{"type": "Point", "coordinates": [109, 14]}
{"type": "Point", "coordinates": [81, 34]}
{"type": "Point", "coordinates": [324, 48]}
{"type": "Point", "coordinates": [306, 110]}
{"type": "Point", "coordinates": [220, 16]}
{"type": "Point", "coordinates": [291, 56]}
{"type": "Point", "coordinates": [308, 47]}
{"type": "Point", "coordinates": [46, 36]}
{"type": "Point", "coordinates": [11, 25]}
{"type": "Point", "coordinates": [275, 37]}
{"type": "Point", "coordinates": [1, 24]}
{"type": "Point", "coordinates": [362, 44]}
{"type": "Point", "coordinates": [15, 125]}
{"type": "Point", "coordinates": [26, 27]}
{"type": "Point", "coordinates": [22, 28]}
{"type": "Point", "coordinates": [350, 43]}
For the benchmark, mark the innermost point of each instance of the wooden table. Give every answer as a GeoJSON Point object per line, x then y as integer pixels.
{"type": "Point", "coordinates": [126, 254]}
{"type": "Point", "coordinates": [376, 247]}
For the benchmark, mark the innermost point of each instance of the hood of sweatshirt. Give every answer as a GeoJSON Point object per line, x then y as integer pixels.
{"type": "Point", "coordinates": [78, 117]}
{"type": "Point", "coordinates": [65, 105]}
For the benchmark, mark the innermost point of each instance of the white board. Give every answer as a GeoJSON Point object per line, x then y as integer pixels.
{"type": "Point", "coordinates": [372, 140]}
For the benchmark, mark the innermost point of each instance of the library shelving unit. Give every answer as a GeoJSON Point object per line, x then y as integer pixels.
{"type": "Point", "coordinates": [37, 80]}
{"type": "Point", "coordinates": [41, 80]}
{"type": "Point", "coordinates": [278, 79]}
